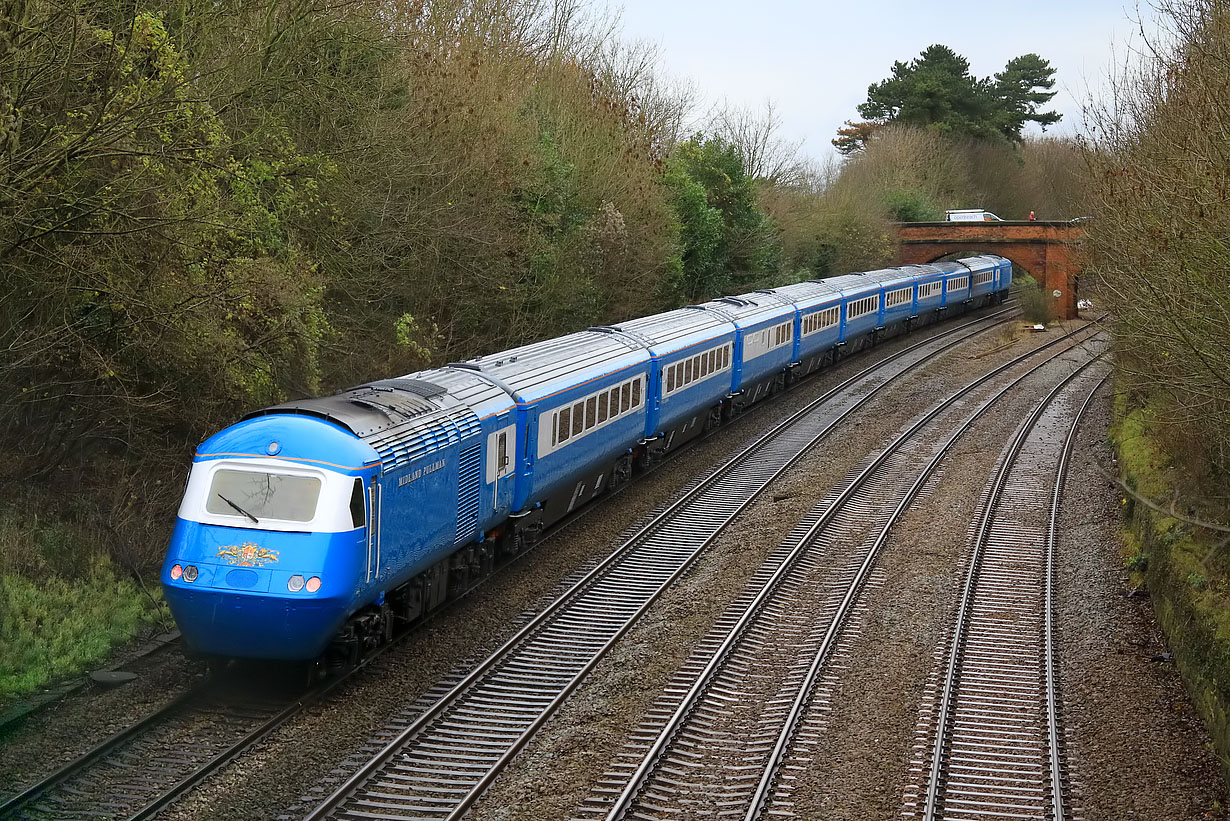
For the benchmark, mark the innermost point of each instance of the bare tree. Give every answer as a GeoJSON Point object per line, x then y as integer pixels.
{"type": "Point", "coordinates": [1160, 194]}
{"type": "Point", "coordinates": [756, 135]}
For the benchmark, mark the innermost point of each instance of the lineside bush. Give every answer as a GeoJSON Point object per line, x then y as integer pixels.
{"type": "Point", "coordinates": [1157, 246]}
{"type": "Point", "coordinates": [1160, 198]}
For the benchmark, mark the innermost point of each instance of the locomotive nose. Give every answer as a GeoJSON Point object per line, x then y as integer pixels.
{"type": "Point", "coordinates": [259, 594]}
{"type": "Point", "coordinates": [245, 625]}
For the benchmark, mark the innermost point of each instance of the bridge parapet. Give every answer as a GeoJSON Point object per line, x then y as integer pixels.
{"type": "Point", "coordinates": [1044, 248]}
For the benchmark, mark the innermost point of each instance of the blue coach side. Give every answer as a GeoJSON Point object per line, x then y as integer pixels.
{"type": "Point", "coordinates": [763, 343]}
{"type": "Point", "coordinates": [896, 299]}
{"type": "Point", "coordinates": [818, 328]}
{"type": "Point", "coordinates": [929, 292]}
{"type": "Point", "coordinates": [1003, 273]}
{"type": "Point", "coordinates": [956, 285]}
{"type": "Point", "coordinates": [983, 273]}
{"type": "Point", "coordinates": [582, 402]}
{"type": "Point", "coordinates": [693, 356]}
{"type": "Point", "coordinates": [860, 310]}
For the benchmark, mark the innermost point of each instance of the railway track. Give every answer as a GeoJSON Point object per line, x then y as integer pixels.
{"type": "Point", "coordinates": [751, 698]}
{"type": "Point", "coordinates": [989, 742]}
{"type": "Point", "coordinates": [435, 762]}
{"type": "Point", "coordinates": [141, 769]}
{"type": "Point", "coordinates": [144, 768]}
{"type": "Point", "coordinates": [37, 702]}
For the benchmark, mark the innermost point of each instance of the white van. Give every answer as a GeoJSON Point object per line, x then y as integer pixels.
{"type": "Point", "coordinates": [970, 215]}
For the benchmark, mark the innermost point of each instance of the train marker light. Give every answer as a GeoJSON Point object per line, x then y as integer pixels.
{"type": "Point", "coordinates": [295, 583]}
{"type": "Point", "coordinates": [176, 572]}
{"type": "Point", "coordinates": [190, 573]}
{"type": "Point", "coordinates": [313, 584]}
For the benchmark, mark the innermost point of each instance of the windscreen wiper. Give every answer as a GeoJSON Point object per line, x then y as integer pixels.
{"type": "Point", "coordinates": [239, 509]}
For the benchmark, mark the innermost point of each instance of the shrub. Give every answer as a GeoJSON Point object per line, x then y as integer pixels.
{"type": "Point", "coordinates": [1160, 167]}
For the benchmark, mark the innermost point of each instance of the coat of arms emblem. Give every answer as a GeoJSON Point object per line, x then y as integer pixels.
{"type": "Point", "coordinates": [248, 554]}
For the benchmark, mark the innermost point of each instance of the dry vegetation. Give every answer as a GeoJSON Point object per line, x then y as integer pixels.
{"type": "Point", "coordinates": [1160, 195]}
{"type": "Point", "coordinates": [1158, 245]}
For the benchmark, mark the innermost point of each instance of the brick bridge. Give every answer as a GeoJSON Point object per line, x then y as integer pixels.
{"type": "Point", "coordinates": [1044, 249]}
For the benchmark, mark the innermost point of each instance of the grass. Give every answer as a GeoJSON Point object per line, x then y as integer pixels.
{"type": "Point", "coordinates": [63, 603]}
{"type": "Point", "coordinates": [1186, 570]}
{"type": "Point", "coordinates": [1035, 305]}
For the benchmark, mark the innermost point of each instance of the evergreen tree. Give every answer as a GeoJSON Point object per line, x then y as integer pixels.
{"type": "Point", "coordinates": [936, 90]}
{"type": "Point", "coordinates": [1022, 88]}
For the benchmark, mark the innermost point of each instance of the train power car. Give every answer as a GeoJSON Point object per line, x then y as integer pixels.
{"type": "Point", "coordinates": [316, 526]}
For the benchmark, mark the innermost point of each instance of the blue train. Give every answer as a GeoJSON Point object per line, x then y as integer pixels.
{"type": "Point", "coordinates": [319, 524]}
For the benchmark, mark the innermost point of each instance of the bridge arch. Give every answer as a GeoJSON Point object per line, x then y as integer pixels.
{"type": "Point", "coordinates": [1045, 249]}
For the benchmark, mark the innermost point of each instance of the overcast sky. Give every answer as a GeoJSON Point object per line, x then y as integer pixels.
{"type": "Point", "coordinates": [815, 60]}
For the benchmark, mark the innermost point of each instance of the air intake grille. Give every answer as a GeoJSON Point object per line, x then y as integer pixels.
{"type": "Point", "coordinates": [468, 480]}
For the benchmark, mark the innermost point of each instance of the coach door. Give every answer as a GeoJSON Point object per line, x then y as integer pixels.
{"type": "Point", "coordinates": [501, 454]}
{"type": "Point", "coordinates": [373, 529]}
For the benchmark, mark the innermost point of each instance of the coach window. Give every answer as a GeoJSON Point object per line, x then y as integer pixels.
{"type": "Point", "coordinates": [578, 418]}
{"type": "Point", "coordinates": [625, 398]}
{"type": "Point", "coordinates": [565, 424]}
{"type": "Point", "coordinates": [636, 393]}
{"type": "Point", "coordinates": [357, 497]}
{"type": "Point", "coordinates": [614, 402]}
{"type": "Point", "coordinates": [591, 412]}
{"type": "Point", "coordinates": [670, 379]}
{"type": "Point", "coordinates": [687, 372]}
{"type": "Point", "coordinates": [602, 407]}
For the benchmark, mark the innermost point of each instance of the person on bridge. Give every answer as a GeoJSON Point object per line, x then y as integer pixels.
{"type": "Point", "coordinates": [1032, 218]}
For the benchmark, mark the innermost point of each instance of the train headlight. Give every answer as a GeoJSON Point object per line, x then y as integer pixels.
{"type": "Point", "coordinates": [313, 584]}
{"type": "Point", "coordinates": [176, 572]}
{"type": "Point", "coordinates": [295, 583]}
{"type": "Point", "coordinates": [190, 573]}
